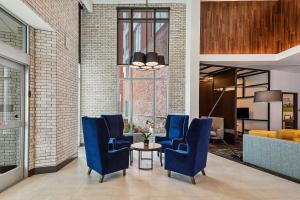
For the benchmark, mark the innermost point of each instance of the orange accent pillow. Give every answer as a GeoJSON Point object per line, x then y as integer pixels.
{"type": "Point", "coordinates": [296, 139]}
{"type": "Point", "coordinates": [288, 134]}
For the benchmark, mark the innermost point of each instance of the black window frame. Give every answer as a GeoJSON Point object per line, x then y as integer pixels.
{"type": "Point", "coordinates": [132, 20]}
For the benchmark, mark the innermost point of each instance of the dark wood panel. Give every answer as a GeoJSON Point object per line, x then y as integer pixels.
{"type": "Point", "coordinates": [251, 27]}
{"type": "Point", "coordinates": [226, 108]}
{"type": "Point", "coordinates": [206, 99]}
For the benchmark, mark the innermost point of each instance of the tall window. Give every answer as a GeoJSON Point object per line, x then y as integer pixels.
{"type": "Point", "coordinates": [143, 94]}
{"type": "Point", "coordinates": [144, 30]}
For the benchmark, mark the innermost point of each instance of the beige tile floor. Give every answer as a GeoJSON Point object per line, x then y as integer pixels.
{"type": "Point", "coordinates": [225, 180]}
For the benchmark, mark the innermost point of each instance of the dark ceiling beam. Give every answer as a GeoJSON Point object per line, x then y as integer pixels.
{"type": "Point", "coordinates": [204, 68]}
{"type": "Point", "coordinates": [245, 73]}
{"type": "Point", "coordinates": [243, 68]}
{"type": "Point", "coordinates": [220, 70]}
{"type": "Point", "coordinates": [253, 74]}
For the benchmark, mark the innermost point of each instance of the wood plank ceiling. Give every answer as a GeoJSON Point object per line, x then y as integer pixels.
{"type": "Point", "coordinates": [249, 27]}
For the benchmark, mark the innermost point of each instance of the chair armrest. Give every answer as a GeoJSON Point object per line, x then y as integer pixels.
{"type": "Point", "coordinates": [117, 159]}
{"type": "Point", "coordinates": [183, 147]}
{"type": "Point", "coordinates": [119, 152]}
{"type": "Point", "coordinates": [174, 156]}
{"type": "Point", "coordinates": [160, 138]}
{"type": "Point", "coordinates": [176, 142]}
{"type": "Point", "coordinates": [128, 138]}
{"type": "Point", "coordinates": [112, 143]}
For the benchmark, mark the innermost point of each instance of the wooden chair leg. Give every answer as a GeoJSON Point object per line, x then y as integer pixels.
{"type": "Point", "coordinates": [193, 180]}
{"type": "Point", "coordinates": [124, 172]}
{"type": "Point", "coordinates": [169, 173]}
{"type": "Point", "coordinates": [203, 172]}
{"type": "Point", "coordinates": [101, 179]}
{"type": "Point", "coordinates": [130, 157]}
{"type": "Point", "coordinates": [89, 171]}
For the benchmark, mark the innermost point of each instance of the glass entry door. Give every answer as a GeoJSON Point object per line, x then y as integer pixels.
{"type": "Point", "coordinates": [11, 123]}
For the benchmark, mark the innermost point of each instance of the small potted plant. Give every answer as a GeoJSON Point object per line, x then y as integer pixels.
{"type": "Point", "coordinates": [146, 138]}
{"type": "Point", "coordinates": [148, 132]}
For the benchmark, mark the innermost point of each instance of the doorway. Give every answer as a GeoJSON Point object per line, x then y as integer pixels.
{"type": "Point", "coordinates": [12, 126]}
{"type": "Point", "coordinates": [289, 110]}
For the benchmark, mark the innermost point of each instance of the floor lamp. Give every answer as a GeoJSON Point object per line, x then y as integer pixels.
{"type": "Point", "coordinates": [235, 155]}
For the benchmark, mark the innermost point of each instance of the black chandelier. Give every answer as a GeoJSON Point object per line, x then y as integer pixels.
{"type": "Point", "coordinates": [151, 61]}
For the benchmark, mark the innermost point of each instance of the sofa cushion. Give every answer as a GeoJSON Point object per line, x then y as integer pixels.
{"type": "Point", "coordinates": [272, 134]}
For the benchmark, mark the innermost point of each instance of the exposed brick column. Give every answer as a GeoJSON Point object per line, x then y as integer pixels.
{"type": "Point", "coordinates": [45, 98]}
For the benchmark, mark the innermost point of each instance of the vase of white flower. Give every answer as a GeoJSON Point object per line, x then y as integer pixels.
{"type": "Point", "coordinates": [146, 138]}
{"type": "Point", "coordinates": [148, 132]}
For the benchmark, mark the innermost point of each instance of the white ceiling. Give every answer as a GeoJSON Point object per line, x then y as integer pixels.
{"type": "Point", "coordinates": [288, 60]}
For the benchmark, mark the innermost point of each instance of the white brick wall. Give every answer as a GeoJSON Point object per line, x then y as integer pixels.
{"type": "Point", "coordinates": [46, 98]}
{"type": "Point", "coordinates": [99, 58]}
{"type": "Point", "coordinates": [54, 84]}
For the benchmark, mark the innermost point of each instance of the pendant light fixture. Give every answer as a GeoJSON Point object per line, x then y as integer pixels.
{"type": "Point", "coordinates": [138, 59]}
{"type": "Point", "coordinates": [151, 61]}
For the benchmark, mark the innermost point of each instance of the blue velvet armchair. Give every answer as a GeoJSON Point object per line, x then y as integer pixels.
{"type": "Point", "coordinates": [190, 158]}
{"type": "Point", "coordinates": [115, 126]}
{"type": "Point", "coordinates": [98, 156]}
{"type": "Point", "coordinates": [176, 128]}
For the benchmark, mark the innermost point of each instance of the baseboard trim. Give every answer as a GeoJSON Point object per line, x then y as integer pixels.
{"type": "Point", "coordinates": [51, 169]}
{"type": "Point", "coordinates": [7, 168]}
{"type": "Point", "coordinates": [295, 180]}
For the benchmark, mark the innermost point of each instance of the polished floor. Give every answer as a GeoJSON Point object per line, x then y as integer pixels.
{"type": "Point", "coordinates": [225, 180]}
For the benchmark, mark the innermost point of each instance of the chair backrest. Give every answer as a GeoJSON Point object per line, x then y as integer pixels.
{"type": "Point", "coordinates": [176, 126]}
{"type": "Point", "coordinates": [217, 123]}
{"type": "Point", "coordinates": [96, 138]}
{"type": "Point", "coordinates": [198, 140]}
{"type": "Point", "coordinates": [115, 125]}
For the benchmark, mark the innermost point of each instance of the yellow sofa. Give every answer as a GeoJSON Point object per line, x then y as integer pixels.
{"type": "Point", "coordinates": [284, 134]}
{"type": "Point", "coordinates": [263, 133]}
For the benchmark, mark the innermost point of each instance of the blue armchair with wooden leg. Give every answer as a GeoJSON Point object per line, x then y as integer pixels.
{"type": "Point", "coordinates": [190, 158]}
{"type": "Point", "coordinates": [115, 126]}
{"type": "Point", "coordinates": [98, 156]}
{"type": "Point", "coordinates": [176, 128]}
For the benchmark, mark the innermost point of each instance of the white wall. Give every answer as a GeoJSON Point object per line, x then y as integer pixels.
{"type": "Point", "coordinates": [192, 63]}
{"type": "Point", "coordinates": [287, 82]}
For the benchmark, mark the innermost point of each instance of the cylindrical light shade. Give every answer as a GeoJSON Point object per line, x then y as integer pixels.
{"type": "Point", "coordinates": [161, 62]}
{"type": "Point", "coordinates": [268, 96]}
{"type": "Point", "coordinates": [138, 59]}
{"type": "Point", "coordinates": [151, 59]}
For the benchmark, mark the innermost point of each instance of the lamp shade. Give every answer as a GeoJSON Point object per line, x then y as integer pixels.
{"type": "Point", "coordinates": [268, 96]}
{"type": "Point", "coordinates": [151, 59]}
{"type": "Point", "coordinates": [161, 62]}
{"type": "Point", "coordinates": [138, 59]}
